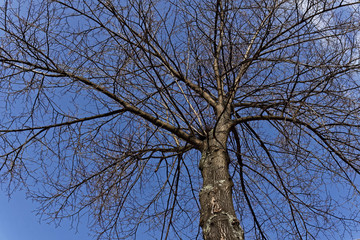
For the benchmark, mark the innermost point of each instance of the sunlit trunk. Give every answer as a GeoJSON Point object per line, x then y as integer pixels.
{"type": "Point", "coordinates": [217, 219]}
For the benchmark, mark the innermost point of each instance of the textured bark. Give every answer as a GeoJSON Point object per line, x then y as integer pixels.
{"type": "Point", "coordinates": [218, 219]}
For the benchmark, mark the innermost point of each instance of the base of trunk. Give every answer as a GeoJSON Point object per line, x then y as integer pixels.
{"type": "Point", "coordinates": [217, 216]}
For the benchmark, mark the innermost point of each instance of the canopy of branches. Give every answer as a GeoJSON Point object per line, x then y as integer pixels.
{"type": "Point", "coordinates": [106, 107]}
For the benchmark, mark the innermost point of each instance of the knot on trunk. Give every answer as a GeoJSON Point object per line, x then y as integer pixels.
{"type": "Point", "coordinates": [215, 206]}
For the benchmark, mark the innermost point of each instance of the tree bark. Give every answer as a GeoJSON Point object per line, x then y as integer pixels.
{"type": "Point", "coordinates": [217, 216]}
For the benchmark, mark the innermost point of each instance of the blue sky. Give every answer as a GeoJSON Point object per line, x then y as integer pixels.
{"type": "Point", "coordinates": [19, 222]}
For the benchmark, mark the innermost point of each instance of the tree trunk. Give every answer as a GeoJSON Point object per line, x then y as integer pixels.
{"type": "Point", "coordinates": [217, 216]}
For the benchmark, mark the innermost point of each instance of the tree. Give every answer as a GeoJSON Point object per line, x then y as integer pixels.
{"type": "Point", "coordinates": [112, 109]}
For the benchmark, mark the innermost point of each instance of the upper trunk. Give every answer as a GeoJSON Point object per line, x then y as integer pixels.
{"type": "Point", "coordinates": [217, 217]}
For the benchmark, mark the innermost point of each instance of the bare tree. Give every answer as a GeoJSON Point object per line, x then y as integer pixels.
{"type": "Point", "coordinates": [110, 108]}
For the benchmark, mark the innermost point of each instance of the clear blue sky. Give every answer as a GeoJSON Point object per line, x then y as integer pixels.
{"type": "Point", "coordinates": [19, 222]}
